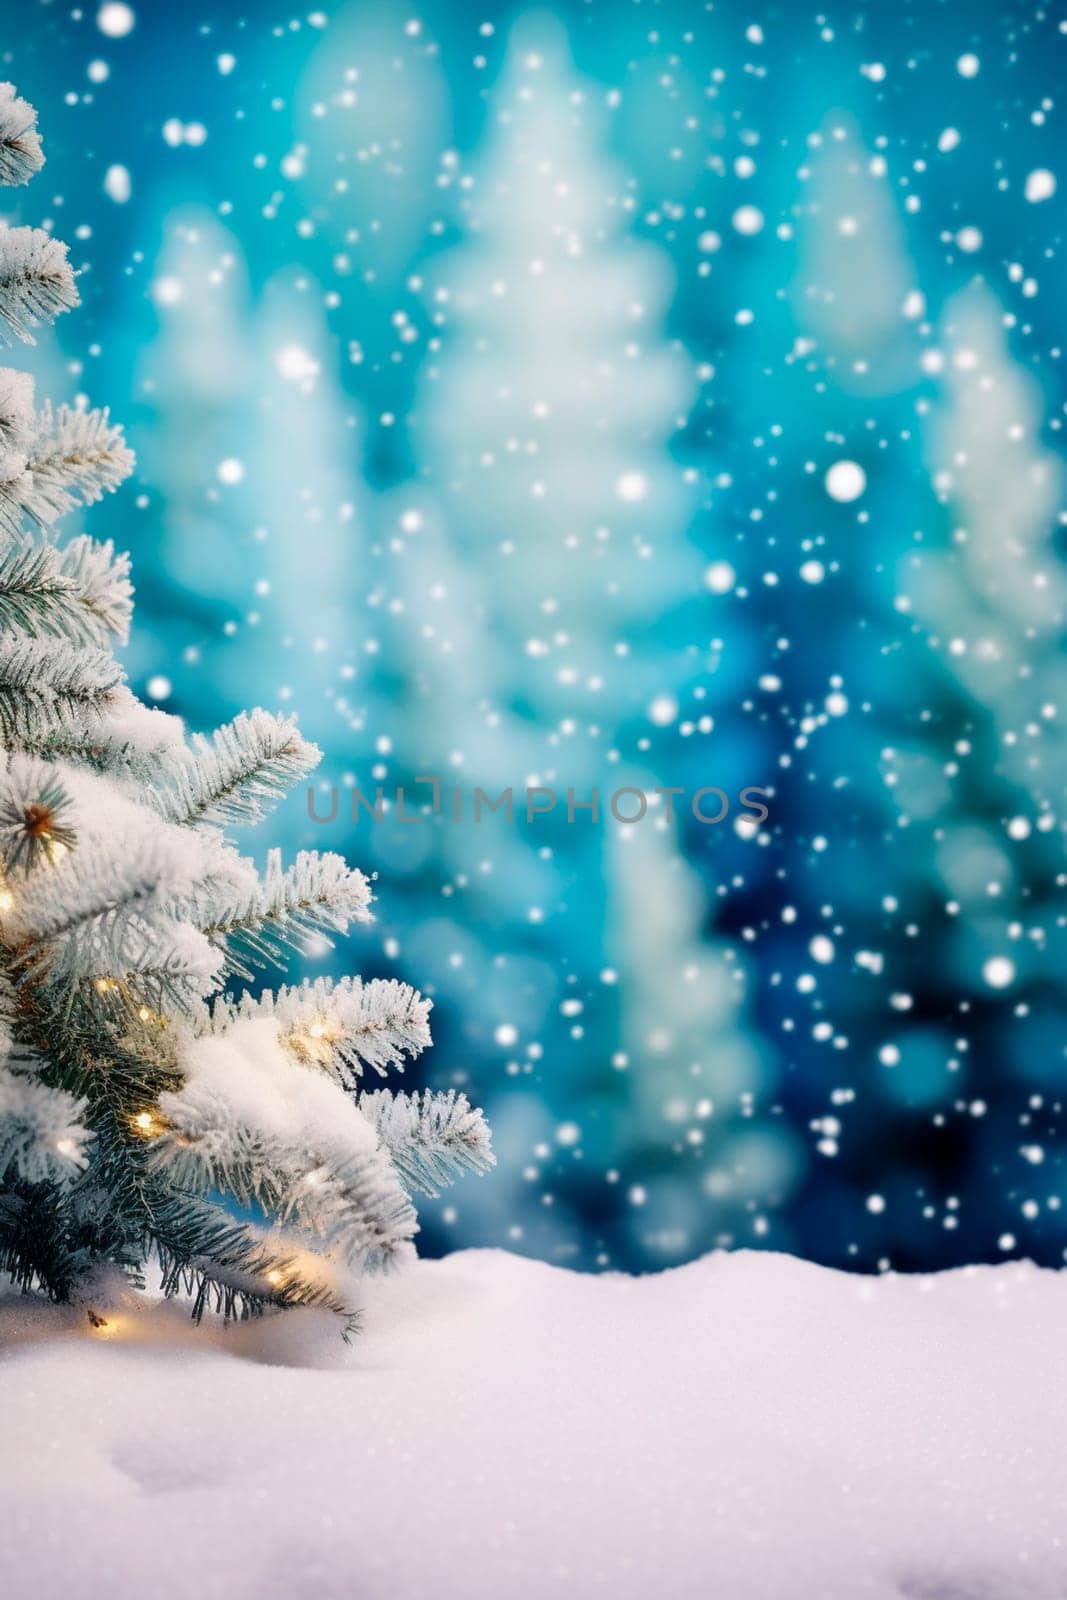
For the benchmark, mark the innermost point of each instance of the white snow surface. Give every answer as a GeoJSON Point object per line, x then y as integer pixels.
{"type": "Point", "coordinates": [746, 1426]}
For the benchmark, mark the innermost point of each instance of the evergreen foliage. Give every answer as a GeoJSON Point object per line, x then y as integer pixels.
{"type": "Point", "coordinates": [138, 1105]}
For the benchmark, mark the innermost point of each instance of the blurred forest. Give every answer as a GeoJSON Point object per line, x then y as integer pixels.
{"type": "Point", "coordinates": [625, 394]}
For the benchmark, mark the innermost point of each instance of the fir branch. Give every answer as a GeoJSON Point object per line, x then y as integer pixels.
{"type": "Point", "coordinates": [34, 596]}
{"type": "Point", "coordinates": [47, 1242]}
{"type": "Point", "coordinates": [48, 689]}
{"type": "Point", "coordinates": [344, 1027]}
{"type": "Point", "coordinates": [130, 879]}
{"type": "Point", "coordinates": [101, 579]}
{"type": "Point", "coordinates": [236, 1271]}
{"type": "Point", "coordinates": [161, 965]}
{"type": "Point", "coordinates": [316, 896]}
{"type": "Point", "coordinates": [36, 280]}
{"type": "Point", "coordinates": [20, 143]}
{"type": "Point", "coordinates": [42, 1138]}
{"type": "Point", "coordinates": [81, 594]}
{"type": "Point", "coordinates": [348, 1197]}
{"type": "Point", "coordinates": [243, 767]}
{"type": "Point", "coordinates": [354, 1203]}
{"type": "Point", "coordinates": [16, 426]}
{"type": "Point", "coordinates": [105, 914]}
{"type": "Point", "coordinates": [432, 1138]}
{"type": "Point", "coordinates": [119, 736]}
{"type": "Point", "coordinates": [77, 456]}
{"type": "Point", "coordinates": [202, 1148]}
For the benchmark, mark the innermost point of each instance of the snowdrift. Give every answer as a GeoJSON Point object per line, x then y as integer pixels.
{"type": "Point", "coordinates": [747, 1426]}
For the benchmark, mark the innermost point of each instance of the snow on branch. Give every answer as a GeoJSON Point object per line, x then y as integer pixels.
{"type": "Point", "coordinates": [245, 765]}
{"type": "Point", "coordinates": [41, 1134]}
{"type": "Point", "coordinates": [99, 910]}
{"type": "Point", "coordinates": [48, 688]}
{"type": "Point", "coordinates": [357, 1206]}
{"type": "Point", "coordinates": [101, 581]}
{"type": "Point", "coordinates": [76, 456]}
{"type": "Point", "coordinates": [16, 427]}
{"type": "Point", "coordinates": [160, 965]}
{"type": "Point", "coordinates": [247, 1119]}
{"type": "Point", "coordinates": [36, 280]}
{"type": "Point", "coordinates": [318, 895]}
{"type": "Point", "coordinates": [344, 1027]}
{"type": "Point", "coordinates": [81, 594]}
{"type": "Point", "coordinates": [34, 595]}
{"type": "Point", "coordinates": [432, 1138]}
{"type": "Point", "coordinates": [352, 1202]}
{"type": "Point", "coordinates": [20, 143]}
{"type": "Point", "coordinates": [122, 737]}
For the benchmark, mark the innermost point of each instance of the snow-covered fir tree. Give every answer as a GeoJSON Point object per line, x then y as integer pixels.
{"type": "Point", "coordinates": [542, 601]}
{"type": "Point", "coordinates": [146, 1111]}
{"type": "Point", "coordinates": [1002, 579]}
{"type": "Point", "coordinates": [914, 700]}
{"type": "Point", "coordinates": [987, 589]}
{"type": "Point", "coordinates": [853, 272]}
{"type": "Point", "coordinates": [557, 394]}
{"type": "Point", "coordinates": [264, 462]}
{"type": "Point", "coordinates": [307, 492]}
{"type": "Point", "coordinates": [698, 1075]}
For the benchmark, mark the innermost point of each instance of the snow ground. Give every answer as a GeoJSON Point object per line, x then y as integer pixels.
{"type": "Point", "coordinates": [747, 1426]}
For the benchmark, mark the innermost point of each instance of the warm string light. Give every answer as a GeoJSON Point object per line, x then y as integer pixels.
{"type": "Point", "coordinates": [113, 1326]}
{"type": "Point", "coordinates": [143, 1013]}
{"type": "Point", "coordinates": [290, 1273]}
{"type": "Point", "coordinates": [314, 1041]}
{"type": "Point", "coordinates": [147, 1124]}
